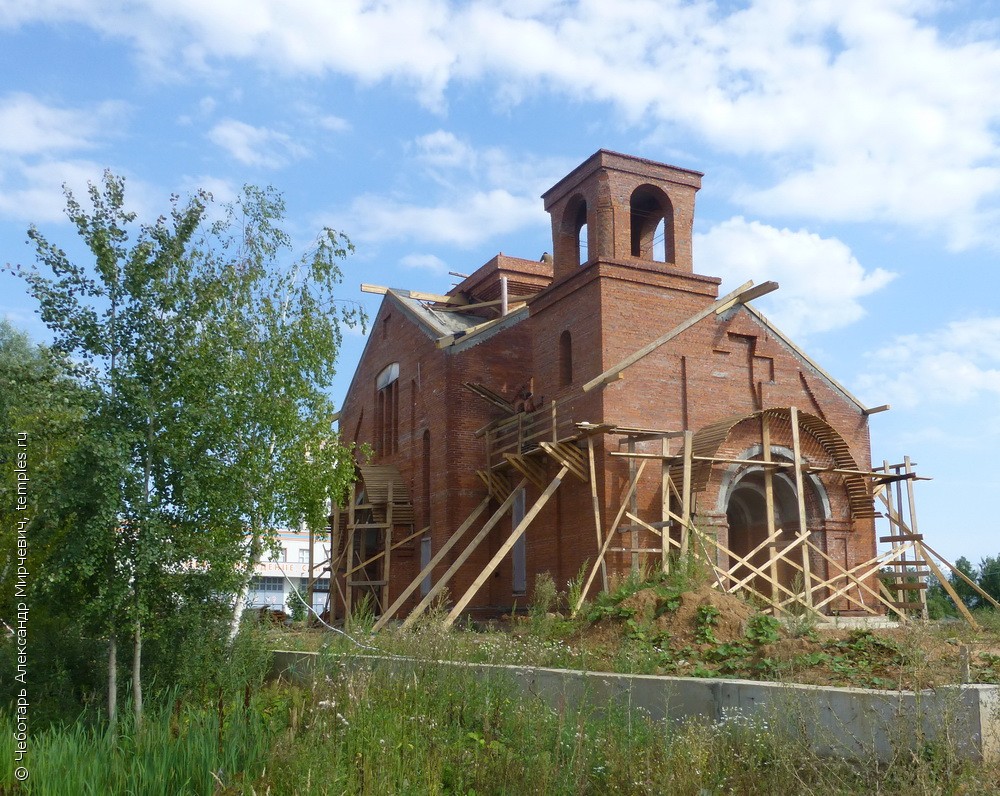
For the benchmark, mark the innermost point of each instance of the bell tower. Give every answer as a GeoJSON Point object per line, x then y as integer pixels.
{"type": "Point", "coordinates": [620, 208]}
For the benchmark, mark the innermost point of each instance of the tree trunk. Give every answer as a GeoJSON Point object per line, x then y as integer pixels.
{"type": "Point", "coordinates": [137, 676]}
{"type": "Point", "coordinates": [113, 681]}
{"type": "Point", "coordinates": [241, 598]}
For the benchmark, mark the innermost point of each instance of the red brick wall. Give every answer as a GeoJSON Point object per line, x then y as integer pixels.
{"type": "Point", "coordinates": [725, 366]}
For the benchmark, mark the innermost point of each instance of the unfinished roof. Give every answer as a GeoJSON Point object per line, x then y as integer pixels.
{"type": "Point", "coordinates": [524, 278]}
{"type": "Point", "coordinates": [433, 317]}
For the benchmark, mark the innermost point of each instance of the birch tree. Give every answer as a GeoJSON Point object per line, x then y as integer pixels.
{"type": "Point", "coordinates": [211, 358]}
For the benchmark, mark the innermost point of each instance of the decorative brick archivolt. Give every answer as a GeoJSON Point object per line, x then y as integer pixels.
{"type": "Point", "coordinates": [709, 440]}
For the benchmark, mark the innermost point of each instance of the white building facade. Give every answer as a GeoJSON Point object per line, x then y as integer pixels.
{"type": "Point", "coordinates": [278, 575]}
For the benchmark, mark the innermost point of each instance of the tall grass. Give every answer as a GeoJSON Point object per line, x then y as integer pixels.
{"type": "Point", "coordinates": [406, 727]}
{"type": "Point", "coordinates": [183, 750]}
{"type": "Point", "coordinates": [389, 727]}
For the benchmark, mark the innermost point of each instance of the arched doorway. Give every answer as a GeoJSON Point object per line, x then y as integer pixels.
{"type": "Point", "coordinates": [746, 515]}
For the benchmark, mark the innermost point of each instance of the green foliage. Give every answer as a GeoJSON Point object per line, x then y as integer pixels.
{"type": "Point", "coordinates": [986, 576]}
{"type": "Point", "coordinates": [544, 597]}
{"type": "Point", "coordinates": [440, 730]}
{"type": "Point", "coordinates": [298, 607]}
{"type": "Point", "coordinates": [989, 577]}
{"type": "Point", "coordinates": [67, 671]}
{"type": "Point", "coordinates": [183, 748]}
{"type": "Point", "coordinates": [763, 629]}
{"type": "Point", "coordinates": [362, 617]}
{"type": "Point", "coordinates": [801, 625]}
{"type": "Point", "coordinates": [963, 589]}
{"type": "Point", "coordinates": [42, 408]}
{"type": "Point", "coordinates": [574, 586]}
{"type": "Point", "coordinates": [192, 657]}
{"type": "Point", "coordinates": [199, 401]}
{"type": "Point", "coordinates": [707, 618]}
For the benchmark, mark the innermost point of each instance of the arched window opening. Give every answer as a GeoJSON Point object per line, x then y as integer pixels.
{"type": "Point", "coordinates": [357, 428]}
{"type": "Point", "coordinates": [387, 410]}
{"type": "Point", "coordinates": [575, 227]}
{"type": "Point", "coordinates": [652, 224]}
{"type": "Point", "coordinates": [565, 359]}
{"type": "Point", "coordinates": [660, 242]}
{"type": "Point", "coordinates": [582, 249]}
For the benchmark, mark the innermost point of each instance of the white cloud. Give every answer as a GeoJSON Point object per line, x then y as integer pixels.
{"type": "Point", "coordinates": [256, 146]}
{"type": "Point", "coordinates": [443, 149]}
{"type": "Point", "coordinates": [222, 190]}
{"type": "Point", "coordinates": [29, 126]}
{"type": "Point", "coordinates": [863, 109]}
{"type": "Point", "coordinates": [463, 221]}
{"type": "Point", "coordinates": [33, 193]}
{"type": "Point", "coordinates": [955, 364]}
{"type": "Point", "coordinates": [334, 124]}
{"type": "Point", "coordinates": [821, 281]}
{"type": "Point", "coordinates": [425, 262]}
{"type": "Point", "coordinates": [481, 194]}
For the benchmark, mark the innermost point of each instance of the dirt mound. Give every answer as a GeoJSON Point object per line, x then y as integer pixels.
{"type": "Point", "coordinates": [683, 616]}
{"type": "Point", "coordinates": [729, 624]}
{"type": "Point", "coordinates": [644, 605]}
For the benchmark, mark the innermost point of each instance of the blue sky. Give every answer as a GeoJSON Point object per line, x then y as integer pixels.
{"type": "Point", "coordinates": [851, 151]}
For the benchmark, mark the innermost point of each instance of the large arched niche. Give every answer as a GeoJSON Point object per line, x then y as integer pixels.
{"type": "Point", "coordinates": [820, 446]}
{"type": "Point", "coordinates": [652, 231]}
{"type": "Point", "coordinates": [742, 500]}
{"type": "Point", "coordinates": [730, 494]}
{"type": "Point", "coordinates": [574, 232]}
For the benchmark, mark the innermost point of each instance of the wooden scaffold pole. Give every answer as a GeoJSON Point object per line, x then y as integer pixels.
{"type": "Point", "coordinates": [505, 548]}
{"type": "Point", "coordinates": [438, 557]}
{"type": "Point", "coordinates": [597, 507]}
{"type": "Point", "coordinates": [686, 493]}
{"type": "Point", "coordinates": [800, 495]}
{"type": "Point", "coordinates": [607, 539]}
{"type": "Point", "coordinates": [464, 555]}
{"type": "Point", "coordinates": [664, 507]}
{"type": "Point", "coordinates": [772, 532]}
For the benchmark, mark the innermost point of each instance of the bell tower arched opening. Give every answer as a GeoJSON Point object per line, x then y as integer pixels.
{"type": "Point", "coordinates": [652, 224]}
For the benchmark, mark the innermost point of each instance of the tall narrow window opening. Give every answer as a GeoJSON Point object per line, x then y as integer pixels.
{"type": "Point", "coordinates": [413, 411]}
{"type": "Point", "coordinates": [426, 478]}
{"type": "Point", "coordinates": [565, 359]}
{"type": "Point", "coordinates": [425, 559]}
{"type": "Point", "coordinates": [582, 243]}
{"type": "Point", "coordinates": [387, 410]}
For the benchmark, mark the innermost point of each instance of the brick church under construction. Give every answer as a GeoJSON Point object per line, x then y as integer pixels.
{"type": "Point", "coordinates": [603, 409]}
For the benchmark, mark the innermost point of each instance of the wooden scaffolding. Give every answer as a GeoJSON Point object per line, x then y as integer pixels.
{"type": "Point", "coordinates": [784, 573]}
{"type": "Point", "coordinates": [787, 571]}
{"type": "Point", "coordinates": [377, 520]}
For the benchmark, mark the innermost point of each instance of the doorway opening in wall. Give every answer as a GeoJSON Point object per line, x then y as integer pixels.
{"type": "Point", "coordinates": [425, 559]}
{"type": "Point", "coordinates": [519, 562]}
{"type": "Point", "coordinates": [746, 514]}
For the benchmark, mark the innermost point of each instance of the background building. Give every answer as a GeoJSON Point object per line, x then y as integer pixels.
{"type": "Point", "coordinates": [275, 574]}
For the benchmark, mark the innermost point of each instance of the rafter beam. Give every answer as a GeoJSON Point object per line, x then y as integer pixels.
{"type": "Point", "coordinates": [417, 295]}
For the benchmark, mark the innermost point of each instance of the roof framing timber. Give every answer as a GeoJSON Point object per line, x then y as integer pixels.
{"type": "Point", "coordinates": [417, 295]}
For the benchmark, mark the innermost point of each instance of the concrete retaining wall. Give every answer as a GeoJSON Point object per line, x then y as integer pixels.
{"type": "Point", "coordinates": [843, 722]}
